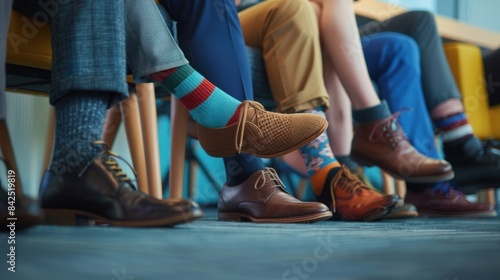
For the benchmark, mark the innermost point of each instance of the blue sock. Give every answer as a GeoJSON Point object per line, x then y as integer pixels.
{"type": "Point", "coordinates": [79, 122]}
{"type": "Point", "coordinates": [240, 167]}
{"type": "Point", "coordinates": [318, 157]}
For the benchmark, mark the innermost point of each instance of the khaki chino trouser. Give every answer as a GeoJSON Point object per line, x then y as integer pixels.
{"type": "Point", "coordinates": [287, 33]}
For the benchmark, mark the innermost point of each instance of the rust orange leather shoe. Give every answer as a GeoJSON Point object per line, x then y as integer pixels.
{"type": "Point", "coordinates": [402, 210]}
{"type": "Point", "coordinates": [351, 200]}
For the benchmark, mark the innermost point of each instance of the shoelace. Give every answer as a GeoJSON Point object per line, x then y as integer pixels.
{"type": "Point", "coordinates": [347, 182]}
{"type": "Point", "coordinates": [395, 135]}
{"type": "Point", "coordinates": [447, 188]}
{"type": "Point", "coordinates": [240, 129]}
{"type": "Point", "coordinates": [262, 180]}
{"type": "Point", "coordinates": [110, 163]}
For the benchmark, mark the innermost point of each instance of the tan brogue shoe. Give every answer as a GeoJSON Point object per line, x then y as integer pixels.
{"type": "Point", "coordinates": [261, 133]}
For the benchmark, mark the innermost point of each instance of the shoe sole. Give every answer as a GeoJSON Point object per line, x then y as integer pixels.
{"type": "Point", "coordinates": [240, 217]}
{"type": "Point", "coordinates": [402, 215]}
{"type": "Point", "coordinates": [489, 214]}
{"type": "Point", "coordinates": [77, 217]}
{"type": "Point", "coordinates": [422, 179]}
{"type": "Point", "coordinates": [375, 215]}
{"type": "Point", "coordinates": [232, 152]}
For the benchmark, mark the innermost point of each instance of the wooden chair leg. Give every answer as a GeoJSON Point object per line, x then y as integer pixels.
{"type": "Point", "coordinates": [193, 168]}
{"type": "Point", "coordinates": [149, 123]}
{"type": "Point", "coordinates": [487, 196]}
{"type": "Point", "coordinates": [388, 183]}
{"type": "Point", "coordinates": [49, 139]}
{"type": "Point", "coordinates": [301, 189]}
{"type": "Point", "coordinates": [179, 119]}
{"type": "Point", "coordinates": [131, 119]}
{"type": "Point", "coordinates": [8, 155]}
{"type": "Point", "coordinates": [401, 188]}
{"type": "Point", "coordinates": [112, 124]}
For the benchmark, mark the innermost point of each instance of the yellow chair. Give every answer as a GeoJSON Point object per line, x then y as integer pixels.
{"type": "Point", "coordinates": [467, 66]}
{"type": "Point", "coordinates": [28, 65]}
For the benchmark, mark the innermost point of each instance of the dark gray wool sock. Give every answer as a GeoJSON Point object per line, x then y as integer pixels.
{"type": "Point", "coordinates": [370, 114]}
{"type": "Point", "coordinates": [79, 122]}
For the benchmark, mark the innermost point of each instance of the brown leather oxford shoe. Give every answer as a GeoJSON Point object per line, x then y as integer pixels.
{"type": "Point", "coordinates": [444, 201]}
{"type": "Point", "coordinates": [101, 192]}
{"type": "Point", "coordinates": [262, 198]}
{"type": "Point", "coordinates": [383, 143]}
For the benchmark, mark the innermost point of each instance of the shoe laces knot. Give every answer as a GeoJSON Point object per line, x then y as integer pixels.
{"type": "Point", "coordinates": [389, 128]}
{"type": "Point", "coordinates": [106, 155]}
{"type": "Point", "coordinates": [242, 122]}
{"type": "Point", "coordinates": [272, 177]}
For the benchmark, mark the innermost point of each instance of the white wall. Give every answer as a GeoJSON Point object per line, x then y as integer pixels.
{"type": "Point", "coordinates": [482, 13]}
{"type": "Point", "coordinates": [428, 5]}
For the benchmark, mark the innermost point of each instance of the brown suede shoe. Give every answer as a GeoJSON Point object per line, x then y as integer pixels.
{"type": "Point", "coordinates": [383, 143]}
{"type": "Point", "coordinates": [446, 202]}
{"type": "Point", "coordinates": [100, 192]}
{"type": "Point", "coordinates": [402, 210]}
{"type": "Point", "coordinates": [262, 198]}
{"type": "Point", "coordinates": [351, 200]}
{"type": "Point", "coordinates": [261, 133]}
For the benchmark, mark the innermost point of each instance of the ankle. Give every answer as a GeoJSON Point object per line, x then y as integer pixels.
{"type": "Point", "coordinates": [374, 113]}
{"type": "Point", "coordinates": [323, 176]}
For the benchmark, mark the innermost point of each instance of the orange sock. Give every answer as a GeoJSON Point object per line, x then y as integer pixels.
{"type": "Point", "coordinates": [318, 179]}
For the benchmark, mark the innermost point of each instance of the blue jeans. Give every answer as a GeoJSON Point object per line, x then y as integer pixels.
{"type": "Point", "coordinates": [394, 64]}
{"type": "Point", "coordinates": [437, 80]}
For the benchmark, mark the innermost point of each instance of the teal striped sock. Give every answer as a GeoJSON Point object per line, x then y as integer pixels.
{"type": "Point", "coordinates": [208, 105]}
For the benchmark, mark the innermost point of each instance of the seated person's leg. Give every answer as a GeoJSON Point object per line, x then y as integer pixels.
{"type": "Point", "coordinates": [88, 76]}
{"type": "Point", "coordinates": [204, 99]}
{"type": "Point", "coordinates": [284, 30]}
{"type": "Point", "coordinates": [492, 74]}
{"type": "Point", "coordinates": [393, 62]}
{"type": "Point", "coordinates": [474, 164]}
{"type": "Point", "coordinates": [371, 144]}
